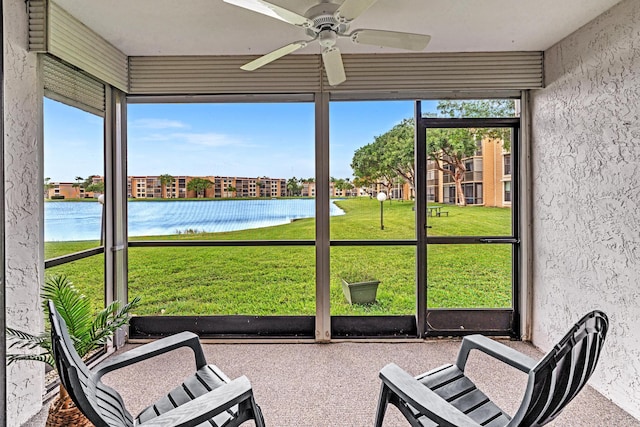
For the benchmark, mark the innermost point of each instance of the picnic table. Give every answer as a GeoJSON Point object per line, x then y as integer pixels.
{"type": "Point", "coordinates": [434, 210]}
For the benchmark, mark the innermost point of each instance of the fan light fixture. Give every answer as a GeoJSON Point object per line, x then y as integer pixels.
{"type": "Point", "coordinates": [326, 22]}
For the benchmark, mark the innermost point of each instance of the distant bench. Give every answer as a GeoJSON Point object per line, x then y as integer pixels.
{"type": "Point", "coordinates": [436, 211]}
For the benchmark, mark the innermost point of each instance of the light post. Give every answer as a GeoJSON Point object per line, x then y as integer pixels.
{"type": "Point", "coordinates": [382, 196]}
{"type": "Point", "coordinates": [101, 201]}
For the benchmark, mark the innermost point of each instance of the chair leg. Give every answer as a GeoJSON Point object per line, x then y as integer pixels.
{"type": "Point", "coordinates": [382, 404]}
{"type": "Point", "coordinates": [257, 413]}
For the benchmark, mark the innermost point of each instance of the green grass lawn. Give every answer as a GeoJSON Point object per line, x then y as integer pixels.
{"type": "Point", "coordinates": [281, 280]}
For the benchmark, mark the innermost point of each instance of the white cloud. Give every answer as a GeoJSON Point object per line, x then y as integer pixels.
{"type": "Point", "coordinates": [157, 124]}
{"type": "Point", "coordinates": [154, 137]}
{"type": "Point", "coordinates": [208, 139]}
{"type": "Point", "coordinates": [193, 139]}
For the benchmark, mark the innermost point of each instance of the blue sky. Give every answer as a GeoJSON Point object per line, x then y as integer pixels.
{"type": "Point", "coordinates": [274, 140]}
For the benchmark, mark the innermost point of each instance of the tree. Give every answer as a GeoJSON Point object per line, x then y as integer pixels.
{"type": "Point", "coordinates": [166, 180]}
{"type": "Point", "coordinates": [95, 187]}
{"type": "Point", "coordinates": [47, 186]}
{"type": "Point", "coordinates": [92, 187]}
{"type": "Point", "coordinates": [398, 156]}
{"type": "Point", "coordinates": [450, 147]}
{"type": "Point", "coordinates": [361, 183]}
{"type": "Point", "coordinates": [396, 148]}
{"type": "Point", "coordinates": [199, 185]}
{"type": "Point", "coordinates": [366, 166]}
{"type": "Point", "coordinates": [231, 189]}
{"type": "Point", "coordinates": [386, 158]}
{"type": "Point", "coordinates": [87, 182]}
{"type": "Point", "coordinates": [293, 188]}
{"type": "Point", "coordinates": [342, 184]}
{"type": "Point", "coordinates": [391, 155]}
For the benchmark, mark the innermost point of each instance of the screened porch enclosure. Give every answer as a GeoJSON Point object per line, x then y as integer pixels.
{"type": "Point", "coordinates": [264, 281]}
{"type": "Point", "coordinates": [288, 283]}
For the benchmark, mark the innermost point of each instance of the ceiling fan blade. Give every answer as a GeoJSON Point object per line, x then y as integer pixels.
{"type": "Point", "coordinates": [277, 12]}
{"type": "Point", "coordinates": [272, 56]}
{"type": "Point", "coordinates": [332, 60]}
{"type": "Point", "coordinates": [351, 9]}
{"type": "Point", "coordinates": [408, 41]}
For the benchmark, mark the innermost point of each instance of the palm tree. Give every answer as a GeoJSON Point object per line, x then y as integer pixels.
{"type": "Point", "coordinates": [78, 184]}
{"type": "Point", "coordinates": [88, 331]}
{"type": "Point", "coordinates": [292, 186]}
{"type": "Point", "coordinates": [166, 180]}
{"type": "Point", "coordinates": [348, 187]}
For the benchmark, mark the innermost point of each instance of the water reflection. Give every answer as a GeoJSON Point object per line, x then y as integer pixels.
{"type": "Point", "coordinates": [66, 221]}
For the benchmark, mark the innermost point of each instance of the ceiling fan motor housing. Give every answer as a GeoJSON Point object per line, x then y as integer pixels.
{"type": "Point", "coordinates": [323, 17]}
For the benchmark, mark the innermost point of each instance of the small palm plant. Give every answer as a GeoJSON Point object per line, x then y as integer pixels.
{"type": "Point", "coordinates": [88, 331]}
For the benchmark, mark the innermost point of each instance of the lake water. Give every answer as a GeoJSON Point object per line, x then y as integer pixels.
{"type": "Point", "coordinates": [65, 221]}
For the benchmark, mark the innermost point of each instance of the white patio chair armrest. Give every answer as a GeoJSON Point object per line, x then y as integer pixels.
{"type": "Point", "coordinates": [423, 399]}
{"type": "Point", "coordinates": [494, 349]}
{"type": "Point", "coordinates": [205, 407]}
{"type": "Point", "coordinates": [152, 349]}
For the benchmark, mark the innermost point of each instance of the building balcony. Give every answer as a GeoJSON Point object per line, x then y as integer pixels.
{"type": "Point", "coordinates": [473, 176]}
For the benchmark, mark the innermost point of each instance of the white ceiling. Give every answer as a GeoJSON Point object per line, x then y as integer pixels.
{"type": "Point", "coordinates": [212, 27]}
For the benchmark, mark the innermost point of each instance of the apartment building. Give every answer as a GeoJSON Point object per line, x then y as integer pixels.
{"type": "Point", "coordinates": [271, 187]}
{"type": "Point", "coordinates": [246, 187]}
{"type": "Point", "coordinates": [487, 180]}
{"type": "Point", "coordinates": [308, 189]}
{"type": "Point", "coordinates": [70, 190]}
{"type": "Point", "coordinates": [149, 187]}
{"type": "Point", "coordinates": [64, 190]}
{"type": "Point", "coordinates": [141, 187]}
{"type": "Point", "coordinates": [224, 187]}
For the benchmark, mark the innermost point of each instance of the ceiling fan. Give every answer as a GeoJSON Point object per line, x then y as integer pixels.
{"type": "Point", "coordinates": [326, 22]}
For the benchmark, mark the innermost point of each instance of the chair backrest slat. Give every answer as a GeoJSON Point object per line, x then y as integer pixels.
{"type": "Point", "coordinates": [102, 405]}
{"type": "Point", "coordinates": [571, 379]}
{"type": "Point", "coordinates": [563, 372]}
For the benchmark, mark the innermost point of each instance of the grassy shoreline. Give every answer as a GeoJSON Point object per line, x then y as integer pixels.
{"type": "Point", "coordinates": [281, 279]}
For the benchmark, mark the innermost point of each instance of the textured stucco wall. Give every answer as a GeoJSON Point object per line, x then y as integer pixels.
{"type": "Point", "coordinates": [586, 201]}
{"type": "Point", "coordinates": [23, 194]}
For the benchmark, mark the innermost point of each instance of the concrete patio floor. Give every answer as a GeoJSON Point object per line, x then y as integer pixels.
{"type": "Point", "coordinates": [327, 385]}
